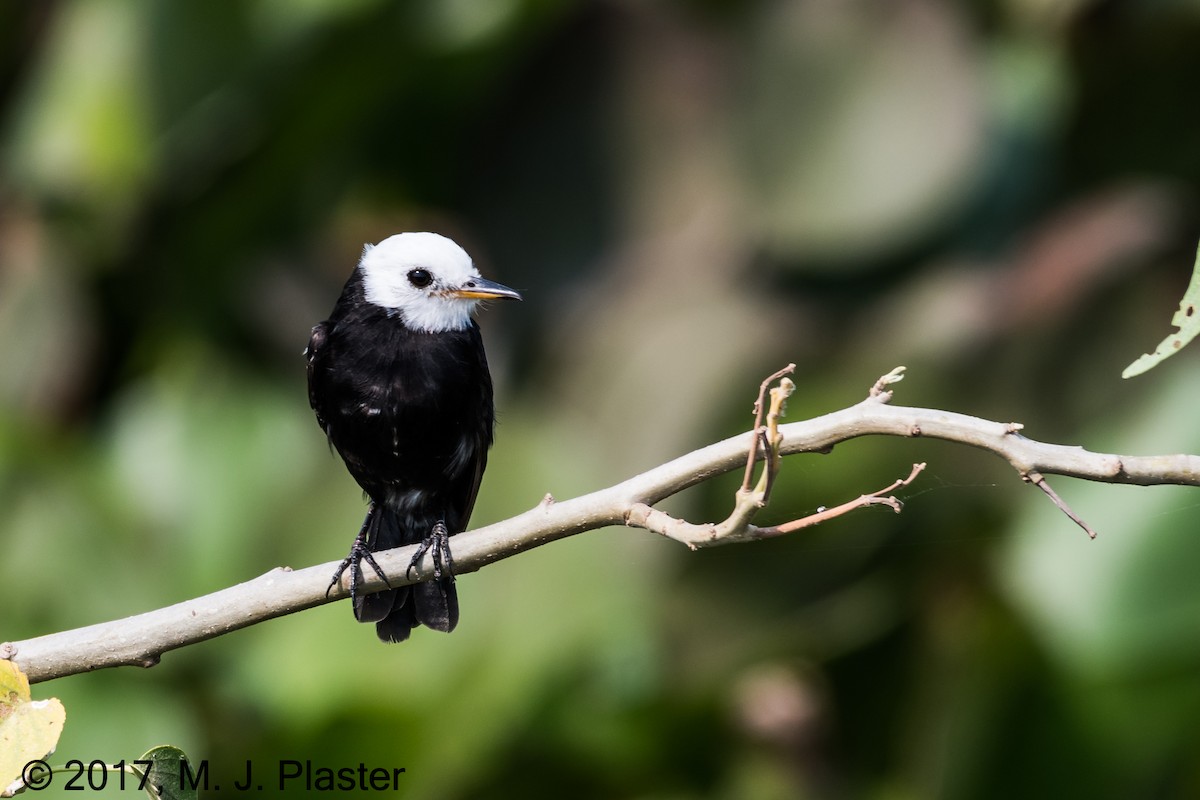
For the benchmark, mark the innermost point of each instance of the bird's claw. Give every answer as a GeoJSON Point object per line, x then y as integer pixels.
{"type": "Point", "coordinates": [359, 552]}
{"type": "Point", "coordinates": [438, 544]}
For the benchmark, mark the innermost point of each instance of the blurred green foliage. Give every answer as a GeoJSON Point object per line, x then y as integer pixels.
{"type": "Point", "coordinates": [999, 194]}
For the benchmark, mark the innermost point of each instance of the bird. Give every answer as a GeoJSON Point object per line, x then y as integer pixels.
{"type": "Point", "coordinates": [399, 382]}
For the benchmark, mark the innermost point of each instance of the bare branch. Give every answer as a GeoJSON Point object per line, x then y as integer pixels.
{"type": "Point", "coordinates": [1039, 480]}
{"type": "Point", "coordinates": [141, 639]}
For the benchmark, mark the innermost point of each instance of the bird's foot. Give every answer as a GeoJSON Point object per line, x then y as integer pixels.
{"type": "Point", "coordinates": [359, 552]}
{"type": "Point", "coordinates": [438, 544]}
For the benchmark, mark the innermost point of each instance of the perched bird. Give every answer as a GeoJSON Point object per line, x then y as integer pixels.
{"type": "Point", "coordinates": [399, 382]}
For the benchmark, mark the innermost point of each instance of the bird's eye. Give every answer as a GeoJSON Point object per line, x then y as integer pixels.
{"type": "Point", "coordinates": [419, 278]}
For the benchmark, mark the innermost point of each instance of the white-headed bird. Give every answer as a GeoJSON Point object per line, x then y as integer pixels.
{"type": "Point", "coordinates": [399, 382]}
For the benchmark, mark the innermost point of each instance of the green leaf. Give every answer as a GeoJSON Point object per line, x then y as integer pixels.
{"type": "Point", "coordinates": [169, 776]}
{"type": "Point", "coordinates": [29, 729]}
{"type": "Point", "coordinates": [1186, 319]}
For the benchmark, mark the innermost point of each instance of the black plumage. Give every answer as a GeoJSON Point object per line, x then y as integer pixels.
{"type": "Point", "coordinates": [410, 412]}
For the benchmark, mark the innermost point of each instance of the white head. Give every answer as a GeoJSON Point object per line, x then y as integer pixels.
{"type": "Point", "coordinates": [427, 279]}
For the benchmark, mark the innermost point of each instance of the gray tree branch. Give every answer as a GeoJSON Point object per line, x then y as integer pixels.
{"type": "Point", "coordinates": [141, 639]}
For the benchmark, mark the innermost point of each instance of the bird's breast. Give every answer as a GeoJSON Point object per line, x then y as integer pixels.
{"type": "Point", "coordinates": [410, 410]}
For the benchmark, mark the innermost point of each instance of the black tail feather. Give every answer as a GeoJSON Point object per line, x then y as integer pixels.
{"type": "Point", "coordinates": [435, 604]}
{"type": "Point", "coordinates": [375, 607]}
{"type": "Point", "coordinates": [396, 612]}
{"type": "Point", "coordinates": [399, 622]}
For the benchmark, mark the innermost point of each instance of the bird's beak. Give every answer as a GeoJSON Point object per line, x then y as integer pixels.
{"type": "Point", "coordinates": [483, 289]}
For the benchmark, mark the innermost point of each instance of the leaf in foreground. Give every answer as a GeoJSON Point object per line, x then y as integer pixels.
{"type": "Point", "coordinates": [29, 729]}
{"type": "Point", "coordinates": [1186, 319]}
{"type": "Point", "coordinates": [167, 775]}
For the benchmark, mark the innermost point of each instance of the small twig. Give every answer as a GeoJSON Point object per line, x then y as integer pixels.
{"type": "Point", "coordinates": [737, 527]}
{"type": "Point", "coordinates": [762, 391]}
{"type": "Point", "coordinates": [881, 497]}
{"type": "Point", "coordinates": [880, 390]}
{"type": "Point", "coordinates": [757, 431]}
{"type": "Point", "coordinates": [773, 437]}
{"type": "Point", "coordinates": [1039, 480]}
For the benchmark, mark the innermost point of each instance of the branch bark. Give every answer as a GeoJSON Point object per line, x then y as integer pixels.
{"type": "Point", "coordinates": [140, 640]}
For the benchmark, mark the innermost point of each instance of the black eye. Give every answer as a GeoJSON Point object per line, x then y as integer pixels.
{"type": "Point", "coordinates": [419, 278]}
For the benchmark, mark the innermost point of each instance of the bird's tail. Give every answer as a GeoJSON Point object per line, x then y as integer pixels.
{"type": "Point", "coordinates": [396, 612]}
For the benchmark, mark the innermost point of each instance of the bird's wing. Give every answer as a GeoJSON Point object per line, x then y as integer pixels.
{"type": "Point", "coordinates": [469, 498]}
{"type": "Point", "coordinates": [471, 475]}
{"type": "Point", "coordinates": [316, 342]}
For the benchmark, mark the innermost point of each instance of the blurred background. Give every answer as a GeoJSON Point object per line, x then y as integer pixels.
{"type": "Point", "coordinates": [999, 194]}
